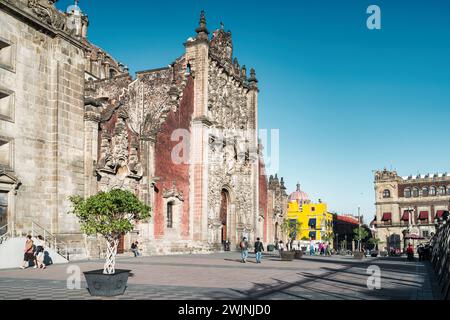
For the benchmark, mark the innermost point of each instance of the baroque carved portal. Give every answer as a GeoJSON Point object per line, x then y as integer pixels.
{"type": "Point", "coordinates": [119, 165]}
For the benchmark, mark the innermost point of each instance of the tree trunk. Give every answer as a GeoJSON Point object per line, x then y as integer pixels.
{"type": "Point", "coordinates": [111, 252]}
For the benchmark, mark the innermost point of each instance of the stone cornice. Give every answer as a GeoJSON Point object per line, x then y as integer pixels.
{"type": "Point", "coordinates": [30, 19]}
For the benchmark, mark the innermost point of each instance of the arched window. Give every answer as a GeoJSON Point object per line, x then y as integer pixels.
{"type": "Point", "coordinates": [432, 191]}
{"type": "Point", "coordinates": [415, 192]}
{"type": "Point", "coordinates": [442, 191]}
{"type": "Point", "coordinates": [425, 192]}
{"type": "Point", "coordinates": [407, 193]}
{"type": "Point", "coordinates": [386, 194]}
{"type": "Point", "coordinates": [112, 73]}
{"type": "Point", "coordinates": [170, 206]}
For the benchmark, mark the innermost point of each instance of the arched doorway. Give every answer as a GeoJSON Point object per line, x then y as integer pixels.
{"type": "Point", "coordinates": [224, 214]}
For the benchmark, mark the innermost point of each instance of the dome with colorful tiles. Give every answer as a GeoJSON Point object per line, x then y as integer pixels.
{"type": "Point", "coordinates": [300, 196]}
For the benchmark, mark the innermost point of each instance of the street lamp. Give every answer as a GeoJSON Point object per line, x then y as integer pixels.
{"type": "Point", "coordinates": [359, 228]}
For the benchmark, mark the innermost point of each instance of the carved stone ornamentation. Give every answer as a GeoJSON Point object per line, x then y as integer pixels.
{"type": "Point", "coordinates": [45, 11]}
{"type": "Point", "coordinates": [119, 163]}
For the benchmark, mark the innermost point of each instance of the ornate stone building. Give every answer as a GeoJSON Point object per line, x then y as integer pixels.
{"type": "Point", "coordinates": [183, 138]}
{"type": "Point", "coordinates": [407, 207]}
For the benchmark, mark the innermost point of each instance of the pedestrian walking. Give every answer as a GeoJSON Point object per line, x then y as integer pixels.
{"type": "Point", "coordinates": [244, 249]}
{"type": "Point", "coordinates": [28, 253]}
{"type": "Point", "coordinates": [135, 249]}
{"type": "Point", "coordinates": [281, 246]}
{"type": "Point", "coordinates": [39, 254]}
{"type": "Point", "coordinates": [259, 248]}
{"type": "Point", "coordinates": [320, 248]}
{"type": "Point", "coordinates": [311, 248]}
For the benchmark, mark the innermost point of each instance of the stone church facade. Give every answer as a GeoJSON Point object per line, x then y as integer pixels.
{"type": "Point", "coordinates": [183, 138]}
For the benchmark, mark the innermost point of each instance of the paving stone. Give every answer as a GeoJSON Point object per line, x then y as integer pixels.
{"type": "Point", "coordinates": [219, 276]}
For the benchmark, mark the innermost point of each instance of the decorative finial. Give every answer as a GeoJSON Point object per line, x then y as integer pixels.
{"type": "Point", "coordinates": [252, 76]}
{"type": "Point", "coordinates": [298, 186]}
{"type": "Point", "coordinates": [201, 30]}
{"type": "Point", "coordinates": [222, 26]}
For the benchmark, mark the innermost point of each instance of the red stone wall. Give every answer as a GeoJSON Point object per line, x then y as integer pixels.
{"type": "Point", "coordinates": [263, 197]}
{"type": "Point", "coordinates": [167, 170]}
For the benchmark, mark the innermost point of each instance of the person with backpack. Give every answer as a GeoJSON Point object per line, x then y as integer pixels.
{"type": "Point", "coordinates": [259, 248]}
{"type": "Point", "coordinates": [244, 250]}
{"type": "Point", "coordinates": [39, 253]}
{"type": "Point", "coordinates": [29, 253]}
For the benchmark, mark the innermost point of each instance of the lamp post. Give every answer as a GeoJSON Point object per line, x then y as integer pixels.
{"type": "Point", "coordinates": [359, 228]}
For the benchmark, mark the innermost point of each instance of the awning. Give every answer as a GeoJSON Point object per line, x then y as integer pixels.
{"type": "Point", "coordinates": [440, 213]}
{"type": "Point", "coordinates": [405, 216]}
{"type": "Point", "coordinates": [312, 234]}
{"type": "Point", "coordinates": [387, 216]}
{"type": "Point", "coordinates": [414, 237]}
{"type": "Point", "coordinates": [423, 215]}
{"type": "Point", "coordinates": [312, 222]}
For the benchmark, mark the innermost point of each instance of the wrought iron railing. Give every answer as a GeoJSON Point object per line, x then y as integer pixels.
{"type": "Point", "coordinates": [50, 240]}
{"type": "Point", "coordinates": [5, 232]}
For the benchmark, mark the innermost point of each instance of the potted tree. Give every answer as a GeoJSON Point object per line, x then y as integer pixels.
{"type": "Point", "coordinates": [291, 228]}
{"type": "Point", "coordinates": [109, 214]}
{"type": "Point", "coordinates": [360, 234]}
{"type": "Point", "coordinates": [374, 251]}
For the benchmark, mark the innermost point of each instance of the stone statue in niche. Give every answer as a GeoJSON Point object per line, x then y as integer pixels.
{"type": "Point", "coordinates": [134, 165]}
{"type": "Point", "coordinates": [106, 161]}
{"type": "Point", "coordinates": [230, 158]}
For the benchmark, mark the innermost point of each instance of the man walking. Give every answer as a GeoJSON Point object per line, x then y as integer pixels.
{"type": "Point", "coordinates": [259, 248]}
{"type": "Point", "coordinates": [28, 253]}
{"type": "Point", "coordinates": [244, 250]}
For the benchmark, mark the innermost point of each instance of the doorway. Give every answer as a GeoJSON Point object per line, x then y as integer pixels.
{"type": "Point", "coordinates": [224, 214]}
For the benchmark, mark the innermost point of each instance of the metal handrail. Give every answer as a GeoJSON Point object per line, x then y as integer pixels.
{"type": "Point", "coordinates": [59, 246]}
{"type": "Point", "coordinates": [5, 235]}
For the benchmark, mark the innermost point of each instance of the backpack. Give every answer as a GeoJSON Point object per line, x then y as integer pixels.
{"type": "Point", "coordinates": [243, 245]}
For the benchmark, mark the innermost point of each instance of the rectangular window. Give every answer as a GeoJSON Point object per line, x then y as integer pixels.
{"type": "Point", "coordinates": [5, 153]}
{"type": "Point", "coordinates": [170, 215]}
{"type": "Point", "coordinates": [6, 105]}
{"type": "Point", "coordinates": [7, 59]}
{"type": "Point", "coordinates": [3, 211]}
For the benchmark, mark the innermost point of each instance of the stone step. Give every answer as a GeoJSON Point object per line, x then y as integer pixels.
{"type": "Point", "coordinates": [12, 251]}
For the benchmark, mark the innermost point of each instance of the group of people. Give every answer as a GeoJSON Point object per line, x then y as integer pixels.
{"type": "Point", "coordinates": [323, 249]}
{"type": "Point", "coordinates": [259, 248]}
{"type": "Point", "coordinates": [34, 253]}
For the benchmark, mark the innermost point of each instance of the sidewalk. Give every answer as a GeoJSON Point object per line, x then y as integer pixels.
{"type": "Point", "coordinates": [222, 276]}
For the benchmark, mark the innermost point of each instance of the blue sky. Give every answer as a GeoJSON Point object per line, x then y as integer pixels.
{"type": "Point", "coordinates": [347, 100]}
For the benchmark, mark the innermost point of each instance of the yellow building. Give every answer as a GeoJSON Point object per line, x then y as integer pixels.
{"type": "Point", "coordinates": [316, 222]}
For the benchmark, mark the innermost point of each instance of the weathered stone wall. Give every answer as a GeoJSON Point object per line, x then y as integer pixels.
{"type": "Point", "coordinates": [47, 129]}
{"type": "Point", "coordinates": [263, 205]}
{"type": "Point", "coordinates": [174, 176]}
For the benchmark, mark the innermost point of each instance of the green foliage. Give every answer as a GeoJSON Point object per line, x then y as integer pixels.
{"type": "Point", "coordinates": [374, 241]}
{"type": "Point", "coordinates": [291, 227]}
{"type": "Point", "coordinates": [109, 213]}
{"type": "Point", "coordinates": [360, 233]}
{"type": "Point", "coordinates": [305, 238]}
{"type": "Point", "coordinates": [328, 237]}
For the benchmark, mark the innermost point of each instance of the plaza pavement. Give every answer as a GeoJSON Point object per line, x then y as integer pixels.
{"type": "Point", "coordinates": [221, 276]}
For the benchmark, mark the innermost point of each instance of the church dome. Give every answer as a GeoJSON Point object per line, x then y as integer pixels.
{"type": "Point", "coordinates": [74, 9]}
{"type": "Point", "coordinates": [300, 196]}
